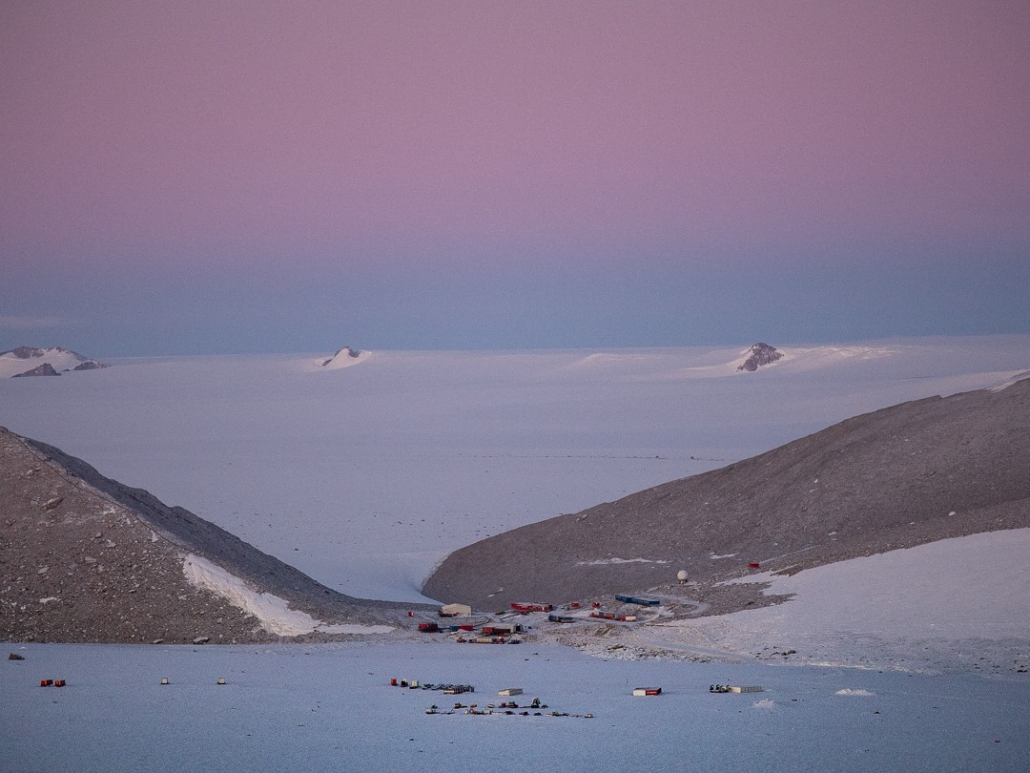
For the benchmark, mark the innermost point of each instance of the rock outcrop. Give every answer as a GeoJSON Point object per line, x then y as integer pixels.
{"type": "Point", "coordinates": [46, 369]}
{"type": "Point", "coordinates": [24, 352]}
{"type": "Point", "coordinates": [761, 354]}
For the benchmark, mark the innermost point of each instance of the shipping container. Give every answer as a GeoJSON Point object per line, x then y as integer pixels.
{"type": "Point", "coordinates": [531, 606]}
{"type": "Point", "coordinates": [645, 602]}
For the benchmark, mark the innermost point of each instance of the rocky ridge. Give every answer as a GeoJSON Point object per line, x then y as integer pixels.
{"type": "Point", "coordinates": [46, 369]}
{"type": "Point", "coordinates": [85, 559]}
{"type": "Point", "coordinates": [899, 477]}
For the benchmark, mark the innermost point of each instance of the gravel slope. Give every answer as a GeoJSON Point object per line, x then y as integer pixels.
{"type": "Point", "coordinates": [86, 559]}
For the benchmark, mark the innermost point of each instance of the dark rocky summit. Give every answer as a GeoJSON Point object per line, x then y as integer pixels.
{"type": "Point", "coordinates": [761, 354]}
{"type": "Point", "coordinates": [899, 477]}
{"type": "Point", "coordinates": [46, 369]}
{"type": "Point", "coordinates": [24, 352]}
{"type": "Point", "coordinates": [90, 365]}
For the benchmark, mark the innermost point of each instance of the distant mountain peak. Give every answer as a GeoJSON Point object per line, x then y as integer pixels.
{"type": "Point", "coordinates": [761, 354]}
{"type": "Point", "coordinates": [344, 357]}
{"type": "Point", "coordinates": [34, 361]}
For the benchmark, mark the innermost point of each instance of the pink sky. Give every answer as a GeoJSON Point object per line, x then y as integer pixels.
{"type": "Point", "coordinates": [135, 126]}
{"type": "Point", "coordinates": [227, 175]}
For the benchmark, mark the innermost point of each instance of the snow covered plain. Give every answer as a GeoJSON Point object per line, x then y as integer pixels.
{"type": "Point", "coordinates": [330, 708]}
{"type": "Point", "coordinates": [364, 477]}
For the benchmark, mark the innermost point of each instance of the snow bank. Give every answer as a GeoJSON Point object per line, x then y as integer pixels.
{"type": "Point", "coordinates": [969, 586]}
{"type": "Point", "coordinates": [273, 612]}
{"type": "Point", "coordinates": [934, 606]}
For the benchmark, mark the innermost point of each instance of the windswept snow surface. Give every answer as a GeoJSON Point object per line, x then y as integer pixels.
{"type": "Point", "coordinates": [933, 590]}
{"type": "Point", "coordinates": [330, 708]}
{"type": "Point", "coordinates": [922, 608]}
{"type": "Point", "coordinates": [366, 477]}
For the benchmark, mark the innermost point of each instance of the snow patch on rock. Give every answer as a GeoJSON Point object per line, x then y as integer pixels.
{"type": "Point", "coordinates": [273, 612]}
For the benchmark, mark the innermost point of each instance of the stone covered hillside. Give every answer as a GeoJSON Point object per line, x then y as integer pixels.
{"type": "Point", "coordinates": [898, 477]}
